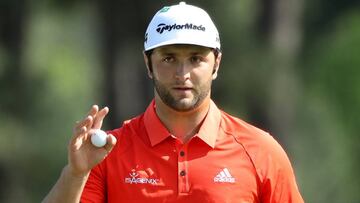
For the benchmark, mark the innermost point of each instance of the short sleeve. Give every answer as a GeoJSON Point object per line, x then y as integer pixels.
{"type": "Point", "coordinates": [94, 191]}
{"type": "Point", "coordinates": [278, 179]}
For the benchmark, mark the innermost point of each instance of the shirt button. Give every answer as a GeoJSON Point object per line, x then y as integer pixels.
{"type": "Point", "coordinates": [182, 153]}
{"type": "Point", "coordinates": [182, 173]}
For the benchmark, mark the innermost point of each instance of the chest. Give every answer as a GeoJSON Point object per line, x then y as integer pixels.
{"type": "Point", "coordinates": [173, 172]}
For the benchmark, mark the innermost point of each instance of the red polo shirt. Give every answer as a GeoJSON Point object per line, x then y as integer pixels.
{"type": "Point", "coordinates": [227, 161]}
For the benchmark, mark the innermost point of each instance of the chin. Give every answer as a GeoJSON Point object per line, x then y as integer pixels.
{"type": "Point", "coordinates": [184, 105]}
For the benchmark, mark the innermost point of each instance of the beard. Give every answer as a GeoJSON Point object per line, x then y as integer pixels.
{"type": "Point", "coordinates": [199, 93]}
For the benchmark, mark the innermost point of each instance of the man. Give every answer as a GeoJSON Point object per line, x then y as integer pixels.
{"type": "Point", "coordinates": [182, 148]}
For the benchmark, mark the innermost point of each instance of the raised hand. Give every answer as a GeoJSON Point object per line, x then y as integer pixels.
{"type": "Point", "coordinates": [82, 154]}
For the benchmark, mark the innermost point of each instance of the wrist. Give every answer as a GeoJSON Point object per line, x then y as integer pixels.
{"type": "Point", "coordinates": [72, 174]}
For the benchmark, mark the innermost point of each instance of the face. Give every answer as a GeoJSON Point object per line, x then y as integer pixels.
{"type": "Point", "coordinates": [183, 74]}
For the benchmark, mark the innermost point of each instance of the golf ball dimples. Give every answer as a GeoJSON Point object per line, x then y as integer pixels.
{"type": "Point", "coordinates": [98, 138]}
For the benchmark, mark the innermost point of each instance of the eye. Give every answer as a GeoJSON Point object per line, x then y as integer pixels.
{"type": "Point", "coordinates": [168, 59]}
{"type": "Point", "coordinates": [196, 59]}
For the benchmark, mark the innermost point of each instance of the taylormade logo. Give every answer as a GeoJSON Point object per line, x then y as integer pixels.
{"type": "Point", "coordinates": [188, 26]}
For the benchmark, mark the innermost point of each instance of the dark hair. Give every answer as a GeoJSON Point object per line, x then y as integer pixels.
{"type": "Point", "coordinates": [148, 55]}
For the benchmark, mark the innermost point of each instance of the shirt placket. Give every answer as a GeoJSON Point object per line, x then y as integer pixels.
{"type": "Point", "coordinates": [183, 177]}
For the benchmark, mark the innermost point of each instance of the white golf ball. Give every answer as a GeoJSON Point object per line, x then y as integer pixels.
{"type": "Point", "coordinates": [98, 138]}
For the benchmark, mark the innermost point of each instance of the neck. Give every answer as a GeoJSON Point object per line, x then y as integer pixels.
{"type": "Point", "coordinates": [183, 125]}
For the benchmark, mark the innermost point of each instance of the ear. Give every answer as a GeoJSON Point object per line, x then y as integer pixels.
{"type": "Point", "coordinates": [216, 66]}
{"type": "Point", "coordinates": [147, 66]}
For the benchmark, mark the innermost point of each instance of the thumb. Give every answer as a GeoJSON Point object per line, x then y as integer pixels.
{"type": "Point", "coordinates": [110, 143]}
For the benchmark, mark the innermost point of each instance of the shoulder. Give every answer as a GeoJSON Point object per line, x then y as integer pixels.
{"type": "Point", "coordinates": [243, 132]}
{"type": "Point", "coordinates": [263, 150]}
{"type": "Point", "coordinates": [128, 126]}
{"type": "Point", "coordinates": [128, 133]}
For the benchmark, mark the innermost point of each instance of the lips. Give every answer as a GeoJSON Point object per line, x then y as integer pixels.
{"type": "Point", "coordinates": [183, 88]}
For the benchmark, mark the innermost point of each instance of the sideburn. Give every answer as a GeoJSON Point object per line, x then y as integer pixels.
{"type": "Point", "coordinates": [148, 55]}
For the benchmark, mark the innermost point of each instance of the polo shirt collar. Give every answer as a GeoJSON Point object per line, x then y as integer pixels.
{"type": "Point", "coordinates": [209, 129]}
{"type": "Point", "coordinates": [157, 132]}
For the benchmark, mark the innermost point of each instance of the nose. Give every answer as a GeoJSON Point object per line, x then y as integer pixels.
{"type": "Point", "coordinates": [183, 71]}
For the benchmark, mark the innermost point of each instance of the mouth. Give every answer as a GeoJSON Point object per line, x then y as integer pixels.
{"type": "Point", "coordinates": [182, 89]}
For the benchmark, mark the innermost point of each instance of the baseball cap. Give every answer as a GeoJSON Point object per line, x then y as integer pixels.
{"type": "Point", "coordinates": [181, 24]}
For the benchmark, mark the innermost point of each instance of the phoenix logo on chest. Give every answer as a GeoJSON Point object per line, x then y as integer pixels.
{"type": "Point", "coordinates": [135, 178]}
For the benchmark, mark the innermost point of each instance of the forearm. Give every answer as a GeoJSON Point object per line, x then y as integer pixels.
{"type": "Point", "coordinates": [68, 188]}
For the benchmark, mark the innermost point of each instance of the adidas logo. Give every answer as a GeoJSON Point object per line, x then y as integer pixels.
{"type": "Point", "coordinates": [224, 177]}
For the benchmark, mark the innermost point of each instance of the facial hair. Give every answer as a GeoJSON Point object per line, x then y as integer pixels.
{"type": "Point", "coordinates": [199, 92]}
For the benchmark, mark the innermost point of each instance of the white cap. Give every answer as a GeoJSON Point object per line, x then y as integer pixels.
{"type": "Point", "coordinates": [181, 24]}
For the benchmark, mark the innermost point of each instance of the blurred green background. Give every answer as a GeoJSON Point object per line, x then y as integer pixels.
{"type": "Point", "coordinates": [291, 67]}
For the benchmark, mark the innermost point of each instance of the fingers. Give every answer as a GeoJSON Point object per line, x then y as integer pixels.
{"type": "Point", "coordinates": [83, 123]}
{"type": "Point", "coordinates": [93, 120]}
{"type": "Point", "coordinates": [93, 110]}
{"type": "Point", "coordinates": [98, 120]}
{"type": "Point", "coordinates": [81, 130]}
{"type": "Point", "coordinates": [88, 120]}
{"type": "Point", "coordinates": [83, 126]}
{"type": "Point", "coordinates": [92, 113]}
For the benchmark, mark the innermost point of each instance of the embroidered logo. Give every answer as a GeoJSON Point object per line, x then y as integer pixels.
{"type": "Point", "coordinates": [187, 26]}
{"type": "Point", "coordinates": [135, 178]}
{"type": "Point", "coordinates": [224, 177]}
